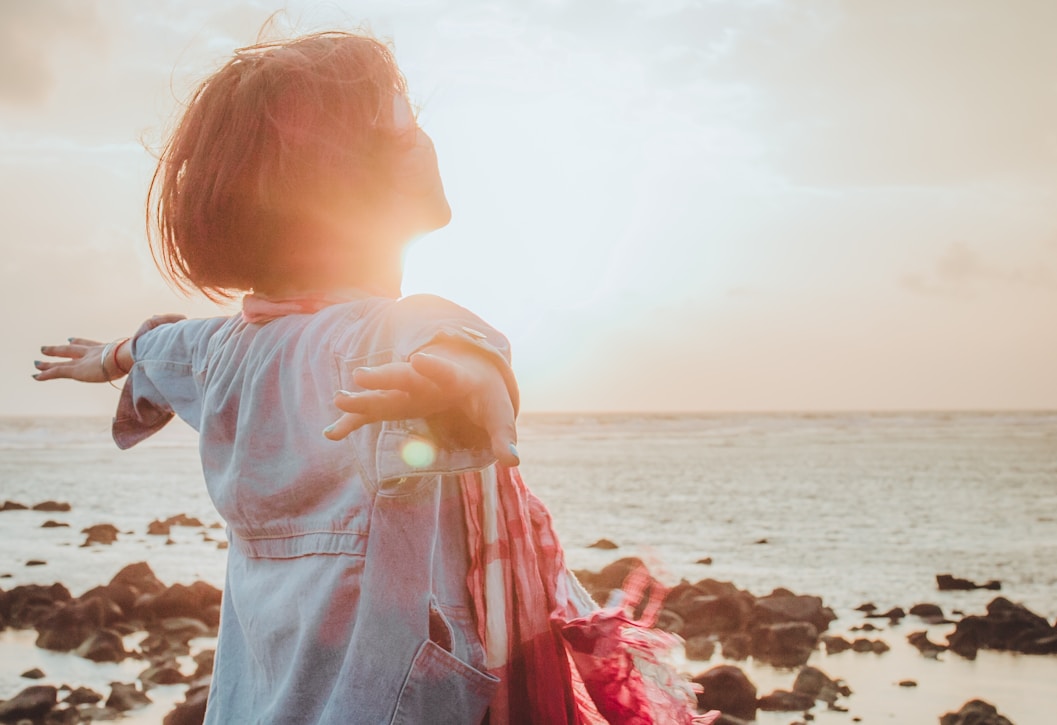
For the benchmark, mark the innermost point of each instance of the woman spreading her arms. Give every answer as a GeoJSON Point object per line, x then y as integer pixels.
{"type": "Point", "coordinates": [358, 564]}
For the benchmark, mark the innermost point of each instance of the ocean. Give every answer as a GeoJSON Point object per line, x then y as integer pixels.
{"type": "Point", "coordinates": [853, 507]}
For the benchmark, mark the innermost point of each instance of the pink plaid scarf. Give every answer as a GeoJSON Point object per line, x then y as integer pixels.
{"type": "Point", "coordinates": [559, 658]}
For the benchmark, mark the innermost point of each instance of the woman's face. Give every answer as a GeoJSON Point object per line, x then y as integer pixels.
{"type": "Point", "coordinates": [420, 191]}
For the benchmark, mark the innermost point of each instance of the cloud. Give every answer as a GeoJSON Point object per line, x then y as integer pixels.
{"type": "Point", "coordinates": [31, 36]}
{"type": "Point", "coordinates": [903, 92]}
{"type": "Point", "coordinates": [961, 270]}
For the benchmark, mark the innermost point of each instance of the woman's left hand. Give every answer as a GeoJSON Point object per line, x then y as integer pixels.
{"type": "Point", "coordinates": [438, 381]}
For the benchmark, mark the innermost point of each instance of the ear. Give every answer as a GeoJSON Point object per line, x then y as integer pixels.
{"type": "Point", "coordinates": [403, 116]}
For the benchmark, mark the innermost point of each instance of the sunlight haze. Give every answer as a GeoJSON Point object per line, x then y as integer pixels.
{"type": "Point", "coordinates": [666, 205]}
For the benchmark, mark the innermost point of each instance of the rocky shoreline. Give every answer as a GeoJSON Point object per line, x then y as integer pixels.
{"type": "Point", "coordinates": [782, 629]}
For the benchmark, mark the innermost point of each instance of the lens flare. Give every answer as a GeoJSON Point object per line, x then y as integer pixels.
{"type": "Point", "coordinates": [418, 453]}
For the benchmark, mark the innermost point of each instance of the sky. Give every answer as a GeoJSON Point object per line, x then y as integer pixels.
{"type": "Point", "coordinates": [667, 205]}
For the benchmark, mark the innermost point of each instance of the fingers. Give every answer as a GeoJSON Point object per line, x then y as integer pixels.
{"type": "Point", "coordinates": [498, 422]}
{"type": "Point", "coordinates": [390, 376]}
{"type": "Point", "coordinates": [345, 425]}
{"type": "Point", "coordinates": [51, 370]}
{"type": "Point", "coordinates": [71, 350]}
{"type": "Point", "coordinates": [375, 405]}
{"type": "Point", "coordinates": [439, 370]}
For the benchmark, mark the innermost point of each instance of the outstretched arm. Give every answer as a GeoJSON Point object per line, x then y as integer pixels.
{"type": "Point", "coordinates": [443, 378]}
{"type": "Point", "coordinates": [90, 361]}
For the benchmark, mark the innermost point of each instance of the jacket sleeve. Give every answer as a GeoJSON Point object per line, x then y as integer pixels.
{"type": "Point", "coordinates": [169, 361]}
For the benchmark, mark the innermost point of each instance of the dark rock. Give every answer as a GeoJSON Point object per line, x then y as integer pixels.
{"type": "Point", "coordinates": [166, 673]}
{"type": "Point", "coordinates": [24, 606]}
{"type": "Point", "coordinates": [105, 645]}
{"type": "Point", "coordinates": [867, 607]}
{"type": "Point", "coordinates": [611, 577]}
{"type": "Point", "coordinates": [784, 606]}
{"type": "Point", "coordinates": [706, 560]}
{"type": "Point", "coordinates": [761, 541]}
{"type": "Point", "coordinates": [199, 600]}
{"type": "Point", "coordinates": [726, 688]}
{"type": "Point", "coordinates": [924, 645]}
{"type": "Point", "coordinates": [13, 506]}
{"type": "Point", "coordinates": [52, 506]}
{"type": "Point", "coordinates": [862, 644]}
{"type": "Point", "coordinates": [1006, 626]}
{"type": "Point", "coordinates": [908, 683]}
{"type": "Point", "coordinates": [105, 534]}
{"type": "Point", "coordinates": [204, 663]}
{"type": "Point", "coordinates": [784, 644]}
{"type": "Point", "coordinates": [931, 613]}
{"type": "Point", "coordinates": [35, 674]}
{"type": "Point", "coordinates": [975, 712]}
{"type": "Point", "coordinates": [816, 684]}
{"type": "Point", "coordinates": [192, 710]}
{"type": "Point", "coordinates": [736, 646]}
{"type": "Point", "coordinates": [83, 696]}
{"type": "Point", "coordinates": [68, 626]}
{"type": "Point", "coordinates": [866, 627]}
{"type": "Point", "coordinates": [125, 696]}
{"type": "Point", "coordinates": [726, 719]}
{"type": "Point", "coordinates": [785, 701]}
{"type": "Point", "coordinates": [894, 614]}
{"type": "Point", "coordinates": [36, 562]}
{"type": "Point", "coordinates": [948, 583]}
{"type": "Point", "coordinates": [49, 524]}
{"type": "Point", "coordinates": [158, 528]}
{"type": "Point", "coordinates": [32, 703]}
{"type": "Point", "coordinates": [835, 644]}
{"type": "Point", "coordinates": [603, 544]}
{"type": "Point", "coordinates": [710, 614]}
{"type": "Point", "coordinates": [98, 713]}
{"type": "Point", "coordinates": [701, 648]}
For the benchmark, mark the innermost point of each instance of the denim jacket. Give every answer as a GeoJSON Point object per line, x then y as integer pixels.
{"type": "Point", "coordinates": [345, 598]}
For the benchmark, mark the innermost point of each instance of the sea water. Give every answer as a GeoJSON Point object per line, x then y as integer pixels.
{"type": "Point", "coordinates": [853, 507]}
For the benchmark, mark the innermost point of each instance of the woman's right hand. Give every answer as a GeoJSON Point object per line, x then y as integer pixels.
{"type": "Point", "coordinates": [83, 361]}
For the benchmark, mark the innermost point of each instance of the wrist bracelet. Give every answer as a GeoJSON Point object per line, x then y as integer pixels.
{"type": "Point", "coordinates": [117, 363]}
{"type": "Point", "coordinates": [102, 363]}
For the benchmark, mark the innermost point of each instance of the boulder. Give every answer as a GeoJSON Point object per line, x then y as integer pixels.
{"type": "Point", "coordinates": [711, 614]}
{"type": "Point", "coordinates": [784, 606]}
{"type": "Point", "coordinates": [948, 583]}
{"type": "Point", "coordinates": [975, 712]}
{"type": "Point", "coordinates": [105, 534]}
{"type": "Point", "coordinates": [603, 544]}
{"type": "Point", "coordinates": [32, 703]}
{"type": "Point", "coordinates": [816, 684]}
{"type": "Point", "coordinates": [1006, 626]}
{"type": "Point", "coordinates": [192, 711]}
{"type": "Point", "coordinates": [26, 605]}
{"type": "Point", "coordinates": [921, 641]}
{"type": "Point", "coordinates": [785, 701]}
{"type": "Point", "coordinates": [52, 506]}
{"type": "Point", "coordinates": [199, 600]}
{"type": "Point", "coordinates": [701, 648]}
{"type": "Point", "coordinates": [69, 625]}
{"type": "Point", "coordinates": [165, 673]}
{"type": "Point", "coordinates": [834, 643]}
{"type": "Point", "coordinates": [124, 696]}
{"type": "Point", "coordinates": [931, 613]}
{"type": "Point", "coordinates": [49, 524]}
{"type": "Point", "coordinates": [34, 674]}
{"type": "Point", "coordinates": [784, 644]}
{"type": "Point", "coordinates": [727, 688]}
{"type": "Point", "coordinates": [82, 696]}
{"type": "Point", "coordinates": [13, 506]}
{"type": "Point", "coordinates": [105, 645]}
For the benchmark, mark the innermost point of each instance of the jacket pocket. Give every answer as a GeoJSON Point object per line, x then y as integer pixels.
{"type": "Point", "coordinates": [442, 689]}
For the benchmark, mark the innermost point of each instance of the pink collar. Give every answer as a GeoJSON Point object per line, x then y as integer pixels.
{"type": "Point", "coordinates": [258, 309]}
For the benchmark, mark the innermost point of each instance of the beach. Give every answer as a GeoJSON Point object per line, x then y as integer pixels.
{"type": "Point", "coordinates": [854, 508]}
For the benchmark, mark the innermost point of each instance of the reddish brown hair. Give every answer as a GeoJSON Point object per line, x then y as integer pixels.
{"type": "Point", "coordinates": [277, 126]}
